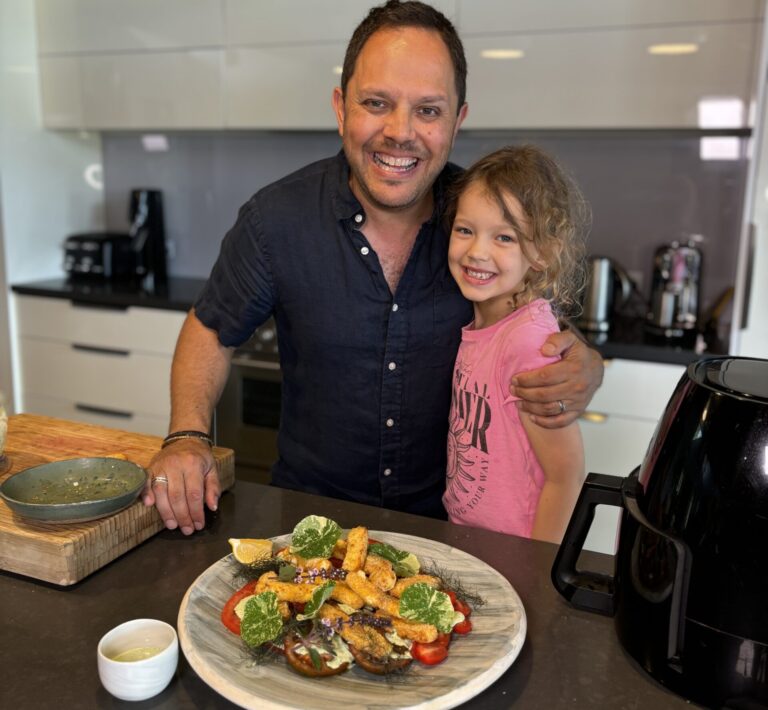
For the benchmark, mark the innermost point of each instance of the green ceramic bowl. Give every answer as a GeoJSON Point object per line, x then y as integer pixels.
{"type": "Point", "coordinates": [74, 490]}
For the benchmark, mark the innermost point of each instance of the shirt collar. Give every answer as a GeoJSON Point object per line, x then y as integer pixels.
{"type": "Point", "coordinates": [346, 205]}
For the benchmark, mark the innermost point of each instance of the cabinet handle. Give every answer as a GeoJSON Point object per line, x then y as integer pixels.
{"type": "Point", "coordinates": [100, 351]}
{"type": "Point", "coordinates": [594, 417]}
{"type": "Point", "coordinates": [97, 306]}
{"type": "Point", "coordinates": [101, 410]}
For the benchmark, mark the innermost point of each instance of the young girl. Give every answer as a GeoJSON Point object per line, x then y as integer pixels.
{"type": "Point", "coordinates": [516, 252]}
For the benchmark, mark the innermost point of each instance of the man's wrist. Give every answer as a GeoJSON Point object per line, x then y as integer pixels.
{"type": "Point", "coordinates": [183, 434]}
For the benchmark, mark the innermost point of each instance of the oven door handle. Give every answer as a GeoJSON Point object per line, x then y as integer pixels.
{"type": "Point", "coordinates": [255, 364]}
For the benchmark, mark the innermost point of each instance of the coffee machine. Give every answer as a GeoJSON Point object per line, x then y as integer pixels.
{"type": "Point", "coordinates": [674, 310]}
{"type": "Point", "coordinates": [147, 232]}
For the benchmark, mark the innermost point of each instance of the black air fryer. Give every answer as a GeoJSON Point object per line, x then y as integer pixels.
{"type": "Point", "coordinates": [690, 586]}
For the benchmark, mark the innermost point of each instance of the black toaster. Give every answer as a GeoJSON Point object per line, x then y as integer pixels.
{"type": "Point", "coordinates": [99, 255]}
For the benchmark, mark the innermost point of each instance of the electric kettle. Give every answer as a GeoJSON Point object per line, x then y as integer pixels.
{"type": "Point", "coordinates": [608, 287]}
{"type": "Point", "coordinates": [689, 591]}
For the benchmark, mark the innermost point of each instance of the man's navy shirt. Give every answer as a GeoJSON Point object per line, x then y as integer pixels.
{"type": "Point", "coordinates": [366, 375]}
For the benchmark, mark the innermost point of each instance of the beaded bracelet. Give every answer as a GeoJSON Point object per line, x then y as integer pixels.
{"type": "Point", "coordinates": [187, 434]}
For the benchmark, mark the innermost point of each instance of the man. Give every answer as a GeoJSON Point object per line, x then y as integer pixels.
{"type": "Point", "coordinates": [350, 257]}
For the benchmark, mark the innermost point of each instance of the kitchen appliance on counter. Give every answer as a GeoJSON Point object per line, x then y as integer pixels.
{"type": "Point", "coordinates": [675, 287]}
{"type": "Point", "coordinates": [690, 584]}
{"type": "Point", "coordinates": [147, 231]}
{"type": "Point", "coordinates": [98, 255]}
{"type": "Point", "coordinates": [248, 413]}
{"type": "Point", "coordinates": [607, 289]}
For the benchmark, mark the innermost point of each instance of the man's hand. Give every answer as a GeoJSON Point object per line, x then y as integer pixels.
{"type": "Point", "coordinates": [572, 382]}
{"type": "Point", "coordinates": [183, 476]}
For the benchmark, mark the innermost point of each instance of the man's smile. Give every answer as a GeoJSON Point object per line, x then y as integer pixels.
{"type": "Point", "coordinates": [395, 164]}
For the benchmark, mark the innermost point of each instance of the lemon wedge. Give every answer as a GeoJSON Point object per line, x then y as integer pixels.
{"type": "Point", "coordinates": [249, 550]}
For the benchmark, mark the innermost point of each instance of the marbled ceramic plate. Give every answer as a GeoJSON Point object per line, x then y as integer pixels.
{"type": "Point", "coordinates": [475, 661]}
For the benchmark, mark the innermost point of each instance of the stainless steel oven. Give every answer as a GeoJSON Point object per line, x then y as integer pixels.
{"type": "Point", "coordinates": [248, 414]}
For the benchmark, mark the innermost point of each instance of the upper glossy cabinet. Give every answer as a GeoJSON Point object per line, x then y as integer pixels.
{"type": "Point", "coordinates": [272, 64]}
{"type": "Point", "coordinates": [483, 16]}
{"type": "Point", "coordinates": [120, 25]}
{"type": "Point", "coordinates": [609, 79]}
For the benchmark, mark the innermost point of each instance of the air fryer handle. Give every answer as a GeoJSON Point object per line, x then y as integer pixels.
{"type": "Point", "coordinates": [586, 590]}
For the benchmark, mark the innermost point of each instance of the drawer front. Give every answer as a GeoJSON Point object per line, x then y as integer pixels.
{"type": "Point", "coordinates": [64, 409]}
{"type": "Point", "coordinates": [149, 330]}
{"type": "Point", "coordinates": [636, 389]}
{"type": "Point", "coordinates": [127, 383]}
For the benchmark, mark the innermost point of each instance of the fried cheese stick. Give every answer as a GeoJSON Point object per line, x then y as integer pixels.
{"type": "Point", "coordinates": [261, 586]}
{"type": "Point", "coordinates": [405, 582]}
{"type": "Point", "coordinates": [371, 594]}
{"type": "Point", "coordinates": [362, 637]}
{"type": "Point", "coordinates": [357, 549]}
{"type": "Point", "coordinates": [380, 572]}
{"type": "Point", "coordinates": [413, 630]}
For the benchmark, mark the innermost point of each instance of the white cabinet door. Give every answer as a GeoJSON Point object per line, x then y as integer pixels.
{"type": "Point", "coordinates": [292, 22]}
{"type": "Point", "coordinates": [618, 427]}
{"type": "Point", "coordinates": [281, 87]}
{"type": "Point", "coordinates": [148, 330]}
{"type": "Point", "coordinates": [118, 25]}
{"type": "Point", "coordinates": [608, 79]}
{"type": "Point", "coordinates": [152, 90]}
{"type": "Point", "coordinates": [614, 446]}
{"type": "Point", "coordinates": [484, 16]}
{"type": "Point", "coordinates": [61, 94]}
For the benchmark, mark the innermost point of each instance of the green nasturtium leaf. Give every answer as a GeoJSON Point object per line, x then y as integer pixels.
{"type": "Point", "coordinates": [423, 603]}
{"type": "Point", "coordinates": [315, 536]}
{"type": "Point", "coordinates": [405, 564]}
{"type": "Point", "coordinates": [261, 620]}
{"type": "Point", "coordinates": [286, 573]}
{"type": "Point", "coordinates": [319, 597]}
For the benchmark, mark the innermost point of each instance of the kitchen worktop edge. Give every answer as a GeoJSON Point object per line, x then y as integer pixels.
{"type": "Point", "coordinates": [177, 294]}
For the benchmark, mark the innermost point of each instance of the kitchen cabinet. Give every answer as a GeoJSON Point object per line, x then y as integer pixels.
{"type": "Point", "coordinates": [619, 425]}
{"type": "Point", "coordinates": [491, 16]}
{"type": "Point", "coordinates": [95, 364]}
{"type": "Point", "coordinates": [80, 26]}
{"type": "Point", "coordinates": [606, 78]}
{"type": "Point", "coordinates": [238, 64]}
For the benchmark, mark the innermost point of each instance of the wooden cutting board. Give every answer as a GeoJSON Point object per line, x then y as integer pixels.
{"type": "Point", "coordinates": [65, 553]}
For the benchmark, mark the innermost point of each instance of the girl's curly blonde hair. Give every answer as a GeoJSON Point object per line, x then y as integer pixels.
{"type": "Point", "coordinates": [558, 219]}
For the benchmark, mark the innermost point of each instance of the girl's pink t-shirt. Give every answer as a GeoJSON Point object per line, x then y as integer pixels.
{"type": "Point", "coordinates": [494, 479]}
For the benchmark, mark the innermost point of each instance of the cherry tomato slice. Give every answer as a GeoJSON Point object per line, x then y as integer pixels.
{"type": "Point", "coordinates": [463, 627]}
{"type": "Point", "coordinates": [429, 654]}
{"type": "Point", "coordinates": [443, 639]}
{"type": "Point", "coordinates": [228, 616]}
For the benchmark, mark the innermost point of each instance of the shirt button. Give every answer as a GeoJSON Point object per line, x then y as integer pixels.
{"type": "Point", "coordinates": [394, 307]}
{"type": "Point", "coordinates": [387, 471]}
{"type": "Point", "coordinates": [390, 422]}
{"type": "Point", "coordinates": [359, 218]}
{"type": "Point", "coordinates": [392, 366]}
{"type": "Point", "coordinates": [364, 251]}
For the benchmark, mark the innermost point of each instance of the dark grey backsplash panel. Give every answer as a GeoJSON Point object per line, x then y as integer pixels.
{"type": "Point", "coordinates": [645, 188]}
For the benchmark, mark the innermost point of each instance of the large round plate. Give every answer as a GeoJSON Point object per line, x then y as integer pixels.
{"type": "Point", "coordinates": [475, 661]}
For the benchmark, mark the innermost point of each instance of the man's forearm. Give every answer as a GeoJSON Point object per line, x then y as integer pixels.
{"type": "Point", "coordinates": [199, 371]}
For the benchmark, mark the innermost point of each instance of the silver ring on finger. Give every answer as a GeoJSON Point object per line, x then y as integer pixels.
{"type": "Point", "coordinates": [561, 404]}
{"type": "Point", "coordinates": [159, 479]}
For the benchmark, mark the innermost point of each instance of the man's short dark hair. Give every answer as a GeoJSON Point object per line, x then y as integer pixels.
{"type": "Point", "coordinates": [395, 14]}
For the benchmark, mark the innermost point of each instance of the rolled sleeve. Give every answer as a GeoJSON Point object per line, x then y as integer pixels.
{"type": "Point", "coordinates": [239, 294]}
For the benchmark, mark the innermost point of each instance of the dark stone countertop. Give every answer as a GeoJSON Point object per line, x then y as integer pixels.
{"type": "Point", "coordinates": [627, 338]}
{"type": "Point", "coordinates": [49, 634]}
{"type": "Point", "coordinates": [178, 294]}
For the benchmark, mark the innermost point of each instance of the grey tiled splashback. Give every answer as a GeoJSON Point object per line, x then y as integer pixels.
{"type": "Point", "coordinates": [645, 188]}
